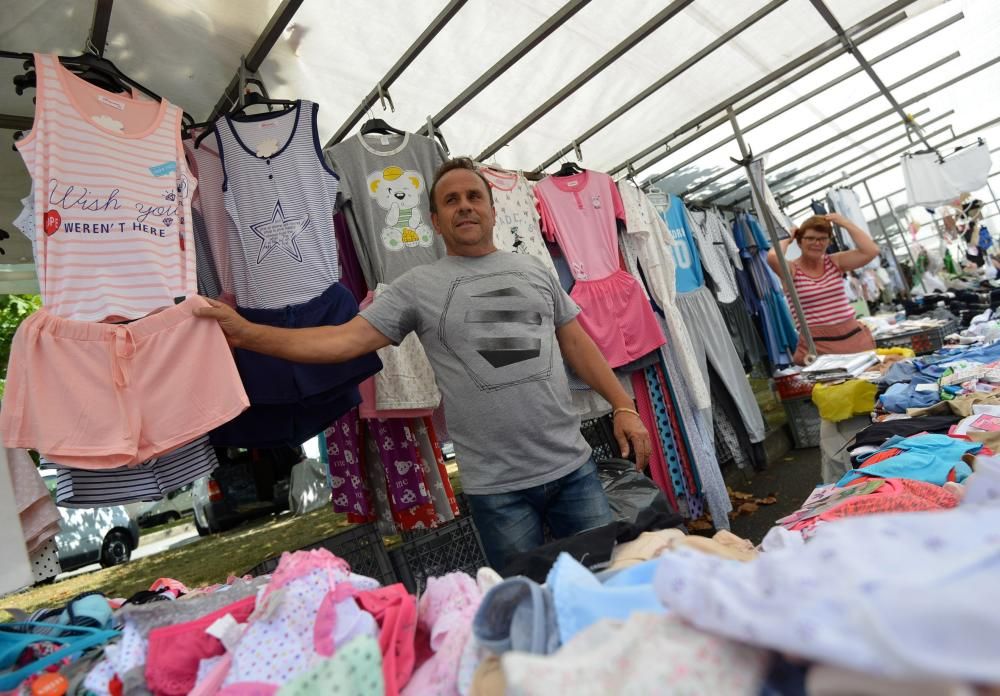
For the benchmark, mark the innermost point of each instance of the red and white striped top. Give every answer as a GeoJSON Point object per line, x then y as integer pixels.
{"type": "Point", "coordinates": [112, 199]}
{"type": "Point", "coordinates": [824, 299]}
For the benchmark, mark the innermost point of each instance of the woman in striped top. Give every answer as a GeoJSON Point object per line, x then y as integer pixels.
{"type": "Point", "coordinates": [819, 283]}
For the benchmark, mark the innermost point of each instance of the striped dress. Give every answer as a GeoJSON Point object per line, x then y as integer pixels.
{"type": "Point", "coordinates": [824, 299]}
{"type": "Point", "coordinates": [112, 199]}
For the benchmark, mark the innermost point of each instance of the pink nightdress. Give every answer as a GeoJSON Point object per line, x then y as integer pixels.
{"type": "Point", "coordinates": [579, 213]}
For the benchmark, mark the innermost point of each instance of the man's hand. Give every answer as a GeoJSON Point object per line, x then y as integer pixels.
{"type": "Point", "coordinates": [629, 429]}
{"type": "Point", "coordinates": [235, 327]}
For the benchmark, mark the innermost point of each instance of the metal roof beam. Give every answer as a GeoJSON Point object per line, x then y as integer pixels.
{"type": "Point", "coordinates": [889, 13]}
{"type": "Point", "coordinates": [258, 52]}
{"type": "Point", "coordinates": [633, 39]}
{"type": "Point", "coordinates": [960, 136]}
{"type": "Point", "coordinates": [97, 39]}
{"type": "Point", "coordinates": [847, 175]}
{"type": "Point", "coordinates": [411, 53]}
{"type": "Point", "coordinates": [886, 92]}
{"type": "Point", "coordinates": [903, 190]}
{"type": "Point", "coordinates": [659, 84]}
{"type": "Point", "coordinates": [786, 178]}
{"type": "Point", "coordinates": [805, 97]}
{"type": "Point", "coordinates": [565, 13]}
{"type": "Point", "coordinates": [809, 95]}
{"type": "Point", "coordinates": [829, 119]}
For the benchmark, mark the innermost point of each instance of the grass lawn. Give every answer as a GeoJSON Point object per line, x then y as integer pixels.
{"type": "Point", "coordinates": [204, 562]}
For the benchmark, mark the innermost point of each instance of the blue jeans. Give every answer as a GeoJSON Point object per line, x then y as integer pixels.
{"type": "Point", "coordinates": [512, 523]}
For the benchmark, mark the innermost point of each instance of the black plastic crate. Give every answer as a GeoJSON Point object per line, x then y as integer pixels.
{"type": "Point", "coordinates": [454, 546]}
{"type": "Point", "coordinates": [600, 435]}
{"type": "Point", "coordinates": [361, 546]}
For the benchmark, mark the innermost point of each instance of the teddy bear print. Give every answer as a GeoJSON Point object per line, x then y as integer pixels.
{"type": "Point", "coordinates": [399, 192]}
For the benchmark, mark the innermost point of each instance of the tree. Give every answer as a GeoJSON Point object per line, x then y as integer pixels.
{"type": "Point", "coordinates": [13, 310]}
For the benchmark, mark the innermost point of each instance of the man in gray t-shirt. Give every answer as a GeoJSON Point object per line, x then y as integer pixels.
{"type": "Point", "coordinates": [496, 327]}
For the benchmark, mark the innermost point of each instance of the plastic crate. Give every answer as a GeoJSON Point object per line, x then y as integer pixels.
{"type": "Point", "coordinates": [361, 546]}
{"type": "Point", "coordinates": [793, 386]}
{"type": "Point", "coordinates": [922, 342]}
{"type": "Point", "coordinates": [451, 547]}
{"type": "Point", "coordinates": [600, 435]}
{"type": "Point", "coordinates": [804, 422]}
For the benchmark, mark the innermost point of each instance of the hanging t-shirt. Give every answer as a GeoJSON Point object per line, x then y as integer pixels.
{"type": "Point", "coordinates": [281, 195]}
{"type": "Point", "coordinates": [385, 184]}
{"type": "Point", "coordinates": [488, 324]}
{"type": "Point", "coordinates": [516, 227]}
{"type": "Point", "coordinates": [112, 196]}
{"type": "Point", "coordinates": [689, 275]}
{"type": "Point", "coordinates": [581, 213]}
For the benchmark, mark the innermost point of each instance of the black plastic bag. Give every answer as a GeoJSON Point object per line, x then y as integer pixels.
{"type": "Point", "coordinates": [629, 490]}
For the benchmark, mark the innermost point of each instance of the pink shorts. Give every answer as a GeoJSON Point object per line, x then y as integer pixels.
{"type": "Point", "coordinates": [97, 396]}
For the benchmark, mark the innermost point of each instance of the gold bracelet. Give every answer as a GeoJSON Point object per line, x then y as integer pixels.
{"type": "Point", "coordinates": [625, 410]}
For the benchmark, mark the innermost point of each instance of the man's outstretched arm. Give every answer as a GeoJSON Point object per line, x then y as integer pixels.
{"type": "Point", "coordinates": [323, 344]}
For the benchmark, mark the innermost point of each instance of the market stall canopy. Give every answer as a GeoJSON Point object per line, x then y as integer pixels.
{"type": "Point", "coordinates": [636, 86]}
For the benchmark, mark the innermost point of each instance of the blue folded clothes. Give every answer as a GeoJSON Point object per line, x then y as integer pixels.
{"type": "Point", "coordinates": [902, 396]}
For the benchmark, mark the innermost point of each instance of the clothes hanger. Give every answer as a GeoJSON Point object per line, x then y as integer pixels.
{"type": "Point", "coordinates": [258, 99]}
{"type": "Point", "coordinates": [377, 125]}
{"type": "Point", "coordinates": [569, 169]}
{"type": "Point", "coordinates": [250, 98]}
{"type": "Point", "coordinates": [92, 67]}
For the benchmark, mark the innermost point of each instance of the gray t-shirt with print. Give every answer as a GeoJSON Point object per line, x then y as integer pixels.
{"type": "Point", "coordinates": [384, 192]}
{"type": "Point", "coordinates": [488, 326]}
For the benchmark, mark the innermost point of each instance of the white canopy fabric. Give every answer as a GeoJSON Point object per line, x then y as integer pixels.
{"type": "Point", "coordinates": [336, 53]}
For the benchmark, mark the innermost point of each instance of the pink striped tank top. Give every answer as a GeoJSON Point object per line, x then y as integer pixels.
{"type": "Point", "coordinates": [824, 299]}
{"type": "Point", "coordinates": [112, 199]}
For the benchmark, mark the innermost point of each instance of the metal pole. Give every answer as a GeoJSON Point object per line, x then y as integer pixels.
{"type": "Point", "coordinates": [980, 127]}
{"type": "Point", "coordinates": [902, 235]}
{"type": "Point", "coordinates": [897, 164]}
{"type": "Point", "coordinates": [840, 136]}
{"type": "Point", "coordinates": [824, 11]}
{"type": "Point", "coordinates": [698, 122]}
{"type": "Point", "coordinates": [786, 276]}
{"type": "Point", "coordinates": [258, 52]}
{"type": "Point", "coordinates": [565, 13]}
{"type": "Point", "coordinates": [658, 20]}
{"type": "Point", "coordinates": [885, 236]}
{"type": "Point", "coordinates": [660, 83]}
{"type": "Point", "coordinates": [799, 100]}
{"type": "Point", "coordinates": [833, 117]}
{"type": "Point", "coordinates": [98, 36]}
{"type": "Point", "coordinates": [411, 53]}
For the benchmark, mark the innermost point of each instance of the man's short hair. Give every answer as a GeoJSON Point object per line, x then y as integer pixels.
{"type": "Point", "coordinates": [451, 165]}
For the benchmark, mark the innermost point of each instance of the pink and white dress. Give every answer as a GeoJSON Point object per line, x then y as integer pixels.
{"type": "Point", "coordinates": [580, 212]}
